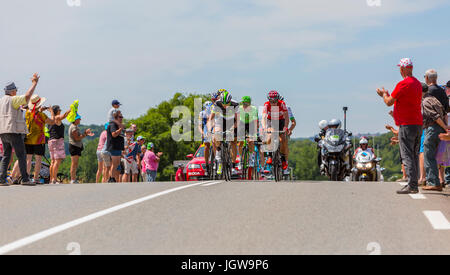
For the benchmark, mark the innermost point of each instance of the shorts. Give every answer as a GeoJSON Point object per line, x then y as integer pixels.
{"type": "Point", "coordinates": [106, 158]}
{"type": "Point", "coordinates": [56, 148]}
{"type": "Point", "coordinates": [115, 153]}
{"type": "Point", "coordinates": [243, 130]}
{"type": "Point", "coordinates": [422, 140]}
{"type": "Point", "coordinates": [38, 150]}
{"type": "Point", "coordinates": [75, 150]}
{"type": "Point", "coordinates": [206, 136]}
{"type": "Point", "coordinates": [280, 124]}
{"type": "Point", "coordinates": [131, 167]}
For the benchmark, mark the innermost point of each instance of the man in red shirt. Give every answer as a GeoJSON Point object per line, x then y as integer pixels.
{"type": "Point", "coordinates": [276, 118]}
{"type": "Point", "coordinates": [407, 99]}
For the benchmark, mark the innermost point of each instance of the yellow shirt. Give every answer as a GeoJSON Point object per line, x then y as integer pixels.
{"type": "Point", "coordinates": [18, 101]}
{"type": "Point", "coordinates": [36, 127]}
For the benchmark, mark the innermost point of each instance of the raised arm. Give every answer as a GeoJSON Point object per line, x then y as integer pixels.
{"type": "Point", "coordinates": [34, 81]}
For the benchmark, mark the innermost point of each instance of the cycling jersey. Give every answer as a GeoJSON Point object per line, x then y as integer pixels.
{"type": "Point", "coordinates": [291, 115]}
{"type": "Point", "coordinates": [203, 116]}
{"type": "Point", "coordinates": [272, 114]}
{"type": "Point", "coordinates": [225, 113]}
{"type": "Point", "coordinates": [249, 114]}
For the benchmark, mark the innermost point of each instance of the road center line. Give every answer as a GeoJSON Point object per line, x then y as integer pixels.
{"type": "Point", "coordinates": [417, 196]}
{"type": "Point", "coordinates": [212, 183]}
{"type": "Point", "coordinates": [57, 229]}
{"type": "Point", "coordinates": [437, 220]}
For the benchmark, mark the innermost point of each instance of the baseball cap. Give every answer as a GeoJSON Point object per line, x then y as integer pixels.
{"type": "Point", "coordinates": [150, 145]}
{"type": "Point", "coordinates": [405, 63]}
{"type": "Point", "coordinates": [448, 84]}
{"type": "Point", "coordinates": [139, 138]}
{"type": "Point", "coordinates": [77, 117]}
{"type": "Point", "coordinates": [11, 86]}
{"type": "Point", "coordinates": [115, 102]}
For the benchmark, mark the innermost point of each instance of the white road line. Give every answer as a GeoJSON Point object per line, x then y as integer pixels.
{"type": "Point", "coordinates": [417, 196]}
{"type": "Point", "coordinates": [437, 220]}
{"type": "Point", "coordinates": [212, 183]}
{"type": "Point", "coordinates": [57, 229]}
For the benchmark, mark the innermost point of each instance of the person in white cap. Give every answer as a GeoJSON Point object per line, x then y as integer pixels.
{"type": "Point", "coordinates": [407, 101]}
{"type": "Point", "coordinates": [13, 128]}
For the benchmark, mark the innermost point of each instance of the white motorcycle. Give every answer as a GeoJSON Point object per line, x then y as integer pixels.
{"type": "Point", "coordinates": [367, 167]}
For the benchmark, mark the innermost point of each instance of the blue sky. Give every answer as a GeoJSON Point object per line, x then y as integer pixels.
{"type": "Point", "coordinates": [321, 55]}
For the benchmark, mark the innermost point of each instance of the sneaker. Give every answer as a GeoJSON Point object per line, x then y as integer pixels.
{"type": "Point", "coordinates": [432, 188]}
{"type": "Point", "coordinates": [269, 161]}
{"type": "Point", "coordinates": [407, 190]}
{"type": "Point", "coordinates": [111, 180]}
{"type": "Point", "coordinates": [28, 183]}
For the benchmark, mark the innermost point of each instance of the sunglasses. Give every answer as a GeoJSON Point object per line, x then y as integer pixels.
{"type": "Point", "coordinates": [120, 116]}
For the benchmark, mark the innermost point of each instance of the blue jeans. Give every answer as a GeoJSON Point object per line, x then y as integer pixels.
{"type": "Point", "coordinates": [151, 176]}
{"type": "Point", "coordinates": [447, 175]}
{"type": "Point", "coordinates": [15, 141]}
{"type": "Point", "coordinates": [430, 147]}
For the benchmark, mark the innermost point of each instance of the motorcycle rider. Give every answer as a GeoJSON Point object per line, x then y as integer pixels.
{"type": "Point", "coordinates": [323, 126]}
{"type": "Point", "coordinates": [364, 146]}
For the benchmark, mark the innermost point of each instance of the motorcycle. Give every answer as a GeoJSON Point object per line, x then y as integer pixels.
{"type": "Point", "coordinates": [367, 167]}
{"type": "Point", "coordinates": [335, 154]}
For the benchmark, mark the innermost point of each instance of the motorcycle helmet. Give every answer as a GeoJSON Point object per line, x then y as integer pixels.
{"type": "Point", "coordinates": [273, 95]}
{"type": "Point", "coordinates": [225, 98]}
{"type": "Point", "coordinates": [323, 124]}
{"type": "Point", "coordinates": [335, 123]}
{"type": "Point", "coordinates": [363, 141]}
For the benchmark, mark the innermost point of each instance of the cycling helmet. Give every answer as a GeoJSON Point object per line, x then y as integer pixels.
{"type": "Point", "coordinates": [246, 99]}
{"type": "Point", "coordinates": [221, 91]}
{"type": "Point", "coordinates": [207, 104]}
{"type": "Point", "coordinates": [335, 123]}
{"type": "Point", "coordinates": [323, 124]}
{"type": "Point", "coordinates": [215, 96]}
{"type": "Point", "coordinates": [225, 98]}
{"type": "Point", "coordinates": [273, 95]}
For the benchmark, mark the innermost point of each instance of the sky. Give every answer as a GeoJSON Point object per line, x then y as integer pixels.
{"type": "Point", "coordinates": [320, 55]}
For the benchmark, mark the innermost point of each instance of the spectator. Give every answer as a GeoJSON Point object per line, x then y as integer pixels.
{"type": "Point", "coordinates": [179, 176]}
{"type": "Point", "coordinates": [141, 163]}
{"type": "Point", "coordinates": [1, 150]}
{"type": "Point", "coordinates": [116, 144]}
{"type": "Point", "coordinates": [13, 128]}
{"type": "Point", "coordinates": [151, 162]}
{"type": "Point", "coordinates": [395, 141]}
{"type": "Point", "coordinates": [406, 99]}
{"type": "Point", "coordinates": [434, 108]}
{"type": "Point", "coordinates": [76, 146]}
{"type": "Point", "coordinates": [115, 107]}
{"type": "Point", "coordinates": [100, 160]}
{"type": "Point", "coordinates": [131, 158]}
{"type": "Point", "coordinates": [423, 174]}
{"type": "Point", "coordinates": [35, 139]}
{"type": "Point", "coordinates": [56, 143]}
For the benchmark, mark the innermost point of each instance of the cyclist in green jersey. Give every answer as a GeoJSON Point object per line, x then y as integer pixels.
{"type": "Point", "coordinates": [248, 124]}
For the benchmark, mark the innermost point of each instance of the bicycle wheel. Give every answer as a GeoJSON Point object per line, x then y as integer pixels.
{"type": "Point", "coordinates": [277, 166]}
{"type": "Point", "coordinates": [244, 163]}
{"type": "Point", "coordinates": [212, 158]}
{"type": "Point", "coordinates": [227, 163]}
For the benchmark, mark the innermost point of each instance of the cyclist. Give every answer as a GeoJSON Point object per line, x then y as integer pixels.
{"type": "Point", "coordinates": [276, 110]}
{"type": "Point", "coordinates": [248, 125]}
{"type": "Point", "coordinates": [203, 118]}
{"type": "Point", "coordinates": [224, 115]}
{"type": "Point", "coordinates": [290, 127]}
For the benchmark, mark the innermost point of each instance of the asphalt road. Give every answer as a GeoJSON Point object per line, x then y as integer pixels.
{"type": "Point", "coordinates": [223, 218]}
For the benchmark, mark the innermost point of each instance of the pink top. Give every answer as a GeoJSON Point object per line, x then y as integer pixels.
{"type": "Point", "coordinates": [102, 140]}
{"type": "Point", "coordinates": [151, 161]}
{"type": "Point", "coordinates": [1, 148]}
